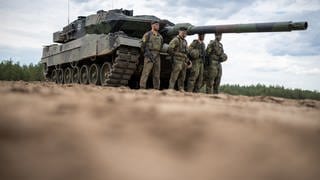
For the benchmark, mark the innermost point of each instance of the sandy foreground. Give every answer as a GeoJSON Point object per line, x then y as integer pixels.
{"type": "Point", "coordinates": [50, 131]}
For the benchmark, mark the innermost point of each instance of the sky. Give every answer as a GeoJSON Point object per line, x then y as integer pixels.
{"type": "Point", "coordinates": [289, 59]}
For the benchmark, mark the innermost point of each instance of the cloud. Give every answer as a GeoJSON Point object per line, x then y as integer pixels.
{"type": "Point", "coordinates": [22, 55]}
{"type": "Point", "coordinates": [206, 9]}
{"type": "Point", "coordinates": [80, 1]}
{"type": "Point", "coordinates": [294, 65]}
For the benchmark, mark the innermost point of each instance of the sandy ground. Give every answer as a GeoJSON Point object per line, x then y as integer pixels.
{"type": "Point", "coordinates": [50, 131]}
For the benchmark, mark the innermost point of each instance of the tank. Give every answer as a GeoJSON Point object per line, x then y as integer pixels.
{"type": "Point", "coordinates": [104, 48]}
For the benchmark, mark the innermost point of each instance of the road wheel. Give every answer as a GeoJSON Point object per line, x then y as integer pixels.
{"type": "Point", "coordinates": [54, 76]}
{"type": "Point", "coordinates": [67, 76]}
{"type": "Point", "coordinates": [59, 76]}
{"type": "Point", "coordinates": [104, 73]}
{"type": "Point", "coordinates": [94, 74]}
{"type": "Point", "coordinates": [84, 74]}
{"type": "Point", "coordinates": [75, 75]}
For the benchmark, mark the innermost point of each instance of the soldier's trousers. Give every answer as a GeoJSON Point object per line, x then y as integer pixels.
{"type": "Point", "coordinates": [178, 73]}
{"type": "Point", "coordinates": [149, 66]}
{"type": "Point", "coordinates": [196, 76]}
{"type": "Point", "coordinates": [214, 77]}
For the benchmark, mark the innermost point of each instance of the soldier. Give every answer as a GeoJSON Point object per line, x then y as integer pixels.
{"type": "Point", "coordinates": [178, 50]}
{"type": "Point", "coordinates": [197, 53]}
{"type": "Point", "coordinates": [216, 56]}
{"type": "Point", "coordinates": [151, 45]}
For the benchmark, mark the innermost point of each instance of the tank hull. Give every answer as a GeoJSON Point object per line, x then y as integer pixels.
{"type": "Point", "coordinates": [90, 46]}
{"type": "Point", "coordinates": [117, 52]}
{"type": "Point", "coordinates": [89, 51]}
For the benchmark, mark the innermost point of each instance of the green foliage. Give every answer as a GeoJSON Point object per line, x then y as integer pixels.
{"type": "Point", "coordinates": [11, 71]}
{"type": "Point", "coordinates": [277, 91]}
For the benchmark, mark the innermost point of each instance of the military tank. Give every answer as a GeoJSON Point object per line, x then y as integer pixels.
{"type": "Point", "coordinates": [104, 48]}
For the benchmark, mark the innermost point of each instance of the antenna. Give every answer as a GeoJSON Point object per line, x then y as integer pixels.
{"type": "Point", "coordinates": [68, 11]}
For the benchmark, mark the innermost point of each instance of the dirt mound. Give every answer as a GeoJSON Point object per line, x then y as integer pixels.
{"type": "Point", "coordinates": [50, 131]}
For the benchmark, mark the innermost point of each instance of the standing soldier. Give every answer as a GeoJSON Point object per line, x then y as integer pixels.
{"type": "Point", "coordinates": [151, 45]}
{"type": "Point", "coordinates": [216, 56]}
{"type": "Point", "coordinates": [178, 50]}
{"type": "Point", "coordinates": [197, 53]}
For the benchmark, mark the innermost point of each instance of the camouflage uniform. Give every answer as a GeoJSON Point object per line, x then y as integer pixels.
{"type": "Point", "coordinates": [154, 44]}
{"type": "Point", "coordinates": [215, 55]}
{"type": "Point", "coordinates": [197, 54]}
{"type": "Point", "coordinates": [178, 49]}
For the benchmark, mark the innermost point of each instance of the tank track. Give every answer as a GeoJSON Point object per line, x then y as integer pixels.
{"type": "Point", "coordinates": [124, 66]}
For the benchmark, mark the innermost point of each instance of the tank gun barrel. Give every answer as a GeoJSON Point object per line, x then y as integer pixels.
{"type": "Point", "coordinates": [241, 28]}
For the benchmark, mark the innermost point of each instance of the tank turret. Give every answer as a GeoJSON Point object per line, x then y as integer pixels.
{"type": "Point", "coordinates": [104, 22]}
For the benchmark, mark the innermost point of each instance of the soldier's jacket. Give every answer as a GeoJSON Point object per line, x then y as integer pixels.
{"type": "Point", "coordinates": [178, 48]}
{"type": "Point", "coordinates": [215, 51]}
{"type": "Point", "coordinates": [153, 42]}
{"type": "Point", "coordinates": [197, 50]}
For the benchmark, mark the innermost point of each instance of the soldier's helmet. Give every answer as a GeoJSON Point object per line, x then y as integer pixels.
{"type": "Point", "coordinates": [154, 22]}
{"type": "Point", "coordinates": [183, 28]}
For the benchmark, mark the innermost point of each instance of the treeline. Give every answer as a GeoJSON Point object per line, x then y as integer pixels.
{"type": "Point", "coordinates": [10, 71]}
{"type": "Point", "coordinates": [13, 71]}
{"type": "Point", "coordinates": [276, 91]}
